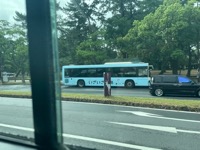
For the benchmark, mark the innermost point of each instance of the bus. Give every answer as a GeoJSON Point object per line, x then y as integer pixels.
{"type": "Point", "coordinates": [123, 74]}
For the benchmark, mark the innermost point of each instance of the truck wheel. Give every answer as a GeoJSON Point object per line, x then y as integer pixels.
{"type": "Point", "coordinates": [198, 93]}
{"type": "Point", "coordinates": [159, 92]}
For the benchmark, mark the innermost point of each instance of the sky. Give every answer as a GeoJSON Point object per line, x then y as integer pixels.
{"type": "Point", "coordinates": [8, 8]}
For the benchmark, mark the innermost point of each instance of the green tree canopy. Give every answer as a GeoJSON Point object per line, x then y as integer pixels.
{"type": "Point", "coordinates": [165, 37]}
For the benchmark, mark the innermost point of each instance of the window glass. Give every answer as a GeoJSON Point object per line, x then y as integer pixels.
{"type": "Point", "coordinates": [142, 72]}
{"type": "Point", "coordinates": [169, 79]}
{"type": "Point", "coordinates": [184, 80]}
{"type": "Point", "coordinates": [130, 72]}
{"type": "Point", "coordinates": [14, 71]}
{"type": "Point", "coordinates": [92, 72]}
{"type": "Point", "coordinates": [122, 37]}
{"type": "Point", "coordinates": [67, 72]}
{"type": "Point", "coordinates": [83, 73]}
{"type": "Point", "coordinates": [157, 79]}
{"type": "Point", "coordinates": [117, 72]}
{"type": "Point", "coordinates": [99, 72]}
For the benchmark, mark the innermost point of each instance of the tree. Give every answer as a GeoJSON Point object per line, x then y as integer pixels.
{"type": "Point", "coordinates": [94, 50]}
{"type": "Point", "coordinates": [166, 36]}
{"type": "Point", "coordinates": [76, 25]}
{"type": "Point", "coordinates": [124, 13]}
{"type": "Point", "coordinates": [20, 19]}
{"type": "Point", "coordinates": [81, 20]}
{"type": "Point", "coordinates": [13, 46]}
{"type": "Point", "coordinates": [5, 45]}
{"type": "Point", "coordinates": [19, 57]}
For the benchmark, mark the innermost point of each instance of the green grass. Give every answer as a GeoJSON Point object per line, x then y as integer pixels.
{"type": "Point", "coordinates": [14, 83]}
{"type": "Point", "coordinates": [14, 93]}
{"type": "Point", "coordinates": [187, 105]}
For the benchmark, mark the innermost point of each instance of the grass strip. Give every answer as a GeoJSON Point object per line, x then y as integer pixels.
{"type": "Point", "coordinates": [15, 83]}
{"type": "Point", "coordinates": [162, 103]}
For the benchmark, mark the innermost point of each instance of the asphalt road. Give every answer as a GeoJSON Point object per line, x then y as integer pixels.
{"type": "Point", "coordinates": [110, 127]}
{"type": "Point", "coordinates": [136, 92]}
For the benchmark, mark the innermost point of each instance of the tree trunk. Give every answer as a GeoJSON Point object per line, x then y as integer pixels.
{"type": "Point", "coordinates": [198, 53]}
{"type": "Point", "coordinates": [174, 71]}
{"type": "Point", "coordinates": [175, 67]}
{"type": "Point", "coordinates": [189, 63]}
{"type": "Point", "coordinates": [1, 70]}
{"type": "Point", "coordinates": [163, 67]}
{"type": "Point", "coordinates": [18, 72]}
{"type": "Point", "coordinates": [1, 78]}
{"type": "Point", "coordinates": [163, 70]}
{"type": "Point", "coordinates": [23, 76]}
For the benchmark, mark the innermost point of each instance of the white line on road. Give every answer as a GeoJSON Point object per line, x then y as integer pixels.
{"type": "Point", "coordinates": [151, 127]}
{"type": "Point", "coordinates": [144, 114]}
{"type": "Point", "coordinates": [158, 128]}
{"type": "Point", "coordinates": [188, 131]}
{"type": "Point", "coordinates": [109, 142]}
{"type": "Point", "coordinates": [16, 127]}
{"type": "Point", "coordinates": [88, 139]}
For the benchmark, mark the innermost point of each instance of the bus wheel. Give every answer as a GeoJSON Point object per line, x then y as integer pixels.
{"type": "Point", "coordinates": [80, 83]}
{"type": "Point", "coordinates": [129, 84]}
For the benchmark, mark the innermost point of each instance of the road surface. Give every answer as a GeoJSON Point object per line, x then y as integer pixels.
{"type": "Point", "coordinates": [110, 127]}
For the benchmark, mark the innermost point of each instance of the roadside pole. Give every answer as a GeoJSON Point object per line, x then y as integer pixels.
{"type": "Point", "coordinates": [107, 83]}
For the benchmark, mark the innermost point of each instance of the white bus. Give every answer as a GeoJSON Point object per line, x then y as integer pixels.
{"type": "Point", "coordinates": [123, 74]}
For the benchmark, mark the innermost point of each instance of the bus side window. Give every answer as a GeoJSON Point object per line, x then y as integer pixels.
{"type": "Point", "coordinates": [109, 70]}
{"type": "Point", "coordinates": [130, 72]}
{"type": "Point", "coordinates": [83, 73]}
{"type": "Point", "coordinates": [67, 72]}
{"type": "Point", "coordinates": [115, 72]}
{"type": "Point", "coordinates": [142, 72]}
{"type": "Point", "coordinates": [99, 72]}
{"type": "Point", "coordinates": [92, 72]}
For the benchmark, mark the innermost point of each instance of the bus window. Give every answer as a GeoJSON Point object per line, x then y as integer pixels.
{"type": "Point", "coordinates": [99, 72]}
{"type": "Point", "coordinates": [130, 72]}
{"type": "Point", "coordinates": [67, 72]}
{"type": "Point", "coordinates": [92, 72]}
{"type": "Point", "coordinates": [142, 72]}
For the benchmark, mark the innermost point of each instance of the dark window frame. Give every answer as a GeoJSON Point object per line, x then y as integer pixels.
{"type": "Point", "coordinates": [45, 81]}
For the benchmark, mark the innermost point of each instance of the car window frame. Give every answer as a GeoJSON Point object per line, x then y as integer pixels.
{"type": "Point", "coordinates": [45, 80]}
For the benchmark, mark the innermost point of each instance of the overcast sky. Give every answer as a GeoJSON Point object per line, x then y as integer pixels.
{"type": "Point", "coordinates": [8, 8]}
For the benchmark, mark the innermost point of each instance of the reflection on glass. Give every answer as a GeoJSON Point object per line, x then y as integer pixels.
{"type": "Point", "coordinates": [162, 34]}
{"type": "Point", "coordinates": [14, 71]}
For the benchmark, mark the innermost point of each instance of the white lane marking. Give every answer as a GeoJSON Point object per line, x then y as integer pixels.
{"type": "Point", "coordinates": [16, 127]}
{"type": "Point", "coordinates": [151, 127]}
{"type": "Point", "coordinates": [87, 139]}
{"type": "Point", "coordinates": [143, 114]}
{"type": "Point", "coordinates": [146, 108]}
{"type": "Point", "coordinates": [188, 131]}
{"type": "Point", "coordinates": [158, 128]}
{"type": "Point", "coordinates": [109, 142]}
